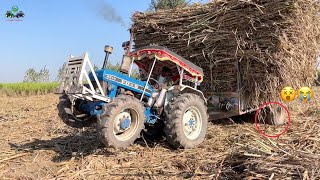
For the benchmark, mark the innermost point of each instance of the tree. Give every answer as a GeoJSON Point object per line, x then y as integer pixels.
{"type": "Point", "coordinates": [60, 72]}
{"type": "Point", "coordinates": [31, 75]}
{"type": "Point", "coordinates": [95, 67]}
{"type": "Point", "coordinates": [116, 67]}
{"type": "Point", "coordinates": [156, 5]}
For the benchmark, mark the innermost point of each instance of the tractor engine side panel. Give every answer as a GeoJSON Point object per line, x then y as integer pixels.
{"type": "Point", "coordinates": [116, 79]}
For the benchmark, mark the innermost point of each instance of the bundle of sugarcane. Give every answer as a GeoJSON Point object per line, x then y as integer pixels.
{"type": "Point", "coordinates": [275, 43]}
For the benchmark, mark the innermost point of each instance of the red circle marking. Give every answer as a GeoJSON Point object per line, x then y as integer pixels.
{"type": "Point", "coordinates": [258, 128]}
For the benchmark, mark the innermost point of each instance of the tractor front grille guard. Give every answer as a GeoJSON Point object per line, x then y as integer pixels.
{"type": "Point", "coordinates": [73, 77]}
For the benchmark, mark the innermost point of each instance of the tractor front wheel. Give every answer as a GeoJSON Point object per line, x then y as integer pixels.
{"type": "Point", "coordinates": [69, 117]}
{"type": "Point", "coordinates": [121, 122]}
{"type": "Point", "coordinates": [186, 121]}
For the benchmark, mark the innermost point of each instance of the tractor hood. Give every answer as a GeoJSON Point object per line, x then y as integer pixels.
{"type": "Point", "coordinates": [122, 80]}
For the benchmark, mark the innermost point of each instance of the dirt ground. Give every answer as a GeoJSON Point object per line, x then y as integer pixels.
{"type": "Point", "coordinates": [35, 144]}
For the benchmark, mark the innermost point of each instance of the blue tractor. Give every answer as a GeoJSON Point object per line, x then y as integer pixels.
{"type": "Point", "coordinates": [122, 107]}
{"type": "Point", "coordinates": [20, 14]}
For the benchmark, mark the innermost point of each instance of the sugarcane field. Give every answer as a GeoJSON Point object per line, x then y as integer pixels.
{"type": "Point", "coordinates": [161, 89]}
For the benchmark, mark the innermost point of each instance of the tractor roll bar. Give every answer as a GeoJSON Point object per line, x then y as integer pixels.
{"type": "Point", "coordinates": [154, 62]}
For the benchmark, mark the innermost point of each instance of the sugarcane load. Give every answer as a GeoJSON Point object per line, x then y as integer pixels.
{"type": "Point", "coordinates": [248, 49]}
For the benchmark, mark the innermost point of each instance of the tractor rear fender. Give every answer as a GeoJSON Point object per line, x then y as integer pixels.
{"type": "Point", "coordinates": [188, 89]}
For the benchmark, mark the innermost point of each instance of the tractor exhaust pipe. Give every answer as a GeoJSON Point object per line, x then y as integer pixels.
{"type": "Point", "coordinates": [128, 44]}
{"type": "Point", "coordinates": [126, 64]}
{"type": "Point", "coordinates": [108, 50]}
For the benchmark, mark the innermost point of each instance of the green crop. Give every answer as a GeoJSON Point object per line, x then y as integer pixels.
{"type": "Point", "coordinates": [26, 88]}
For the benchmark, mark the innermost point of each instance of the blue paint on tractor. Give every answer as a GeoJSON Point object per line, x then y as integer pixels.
{"type": "Point", "coordinates": [151, 117]}
{"type": "Point", "coordinates": [122, 80]}
{"type": "Point", "coordinates": [112, 91]}
{"type": "Point", "coordinates": [191, 122]}
{"type": "Point", "coordinates": [93, 108]}
{"type": "Point", "coordinates": [125, 123]}
{"type": "Point", "coordinates": [116, 80]}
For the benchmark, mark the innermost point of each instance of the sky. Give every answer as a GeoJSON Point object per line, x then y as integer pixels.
{"type": "Point", "coordinates": [52, 30]}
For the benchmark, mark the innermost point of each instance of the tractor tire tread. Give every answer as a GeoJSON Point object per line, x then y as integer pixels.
{"type": "Point", "coordinates": [174, 114]}
{"type": "Point", "coordinates": [105, 128]}
{"type": "Point", "coordinates": [65, 113]}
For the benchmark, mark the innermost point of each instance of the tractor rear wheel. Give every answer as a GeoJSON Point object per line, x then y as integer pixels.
{"type": "Point", "coordinates": [121, 122]}
{"type": "Point", "coordinates": [186, 121]}
{"type": "Point", "coordinates": [71, 119]}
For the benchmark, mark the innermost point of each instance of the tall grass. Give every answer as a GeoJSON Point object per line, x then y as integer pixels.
{"type": "Point", "coordinates": [25, 88]}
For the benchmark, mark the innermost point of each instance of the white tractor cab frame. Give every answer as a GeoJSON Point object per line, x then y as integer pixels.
{"type": "Point", "coordinates": [163, 57]}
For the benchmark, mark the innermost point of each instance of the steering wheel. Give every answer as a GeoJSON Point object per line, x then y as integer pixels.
{"type": "Point", "coordinates": [156, 85]}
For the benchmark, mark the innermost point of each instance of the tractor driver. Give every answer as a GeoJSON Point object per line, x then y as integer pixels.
{"type": "Point", "coordinates": [164, 79]}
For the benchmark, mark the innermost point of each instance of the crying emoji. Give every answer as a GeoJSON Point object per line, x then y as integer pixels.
{"type": "Point", "coordinates": [305, 94]}
{"type": "Point", "coordinates": [288, 94]}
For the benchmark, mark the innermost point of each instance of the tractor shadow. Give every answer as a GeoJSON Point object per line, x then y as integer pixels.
{"type": "Point", "coordinates": [76, 145]}
{"type": "Point", "coordinates": [159, 138]}
{"type": "Point", "coordinates": [85, 143]}
{"type": "Point", "coordinates": [152, 141]}
{"type": "Point", "coordinates": [82, 144]}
